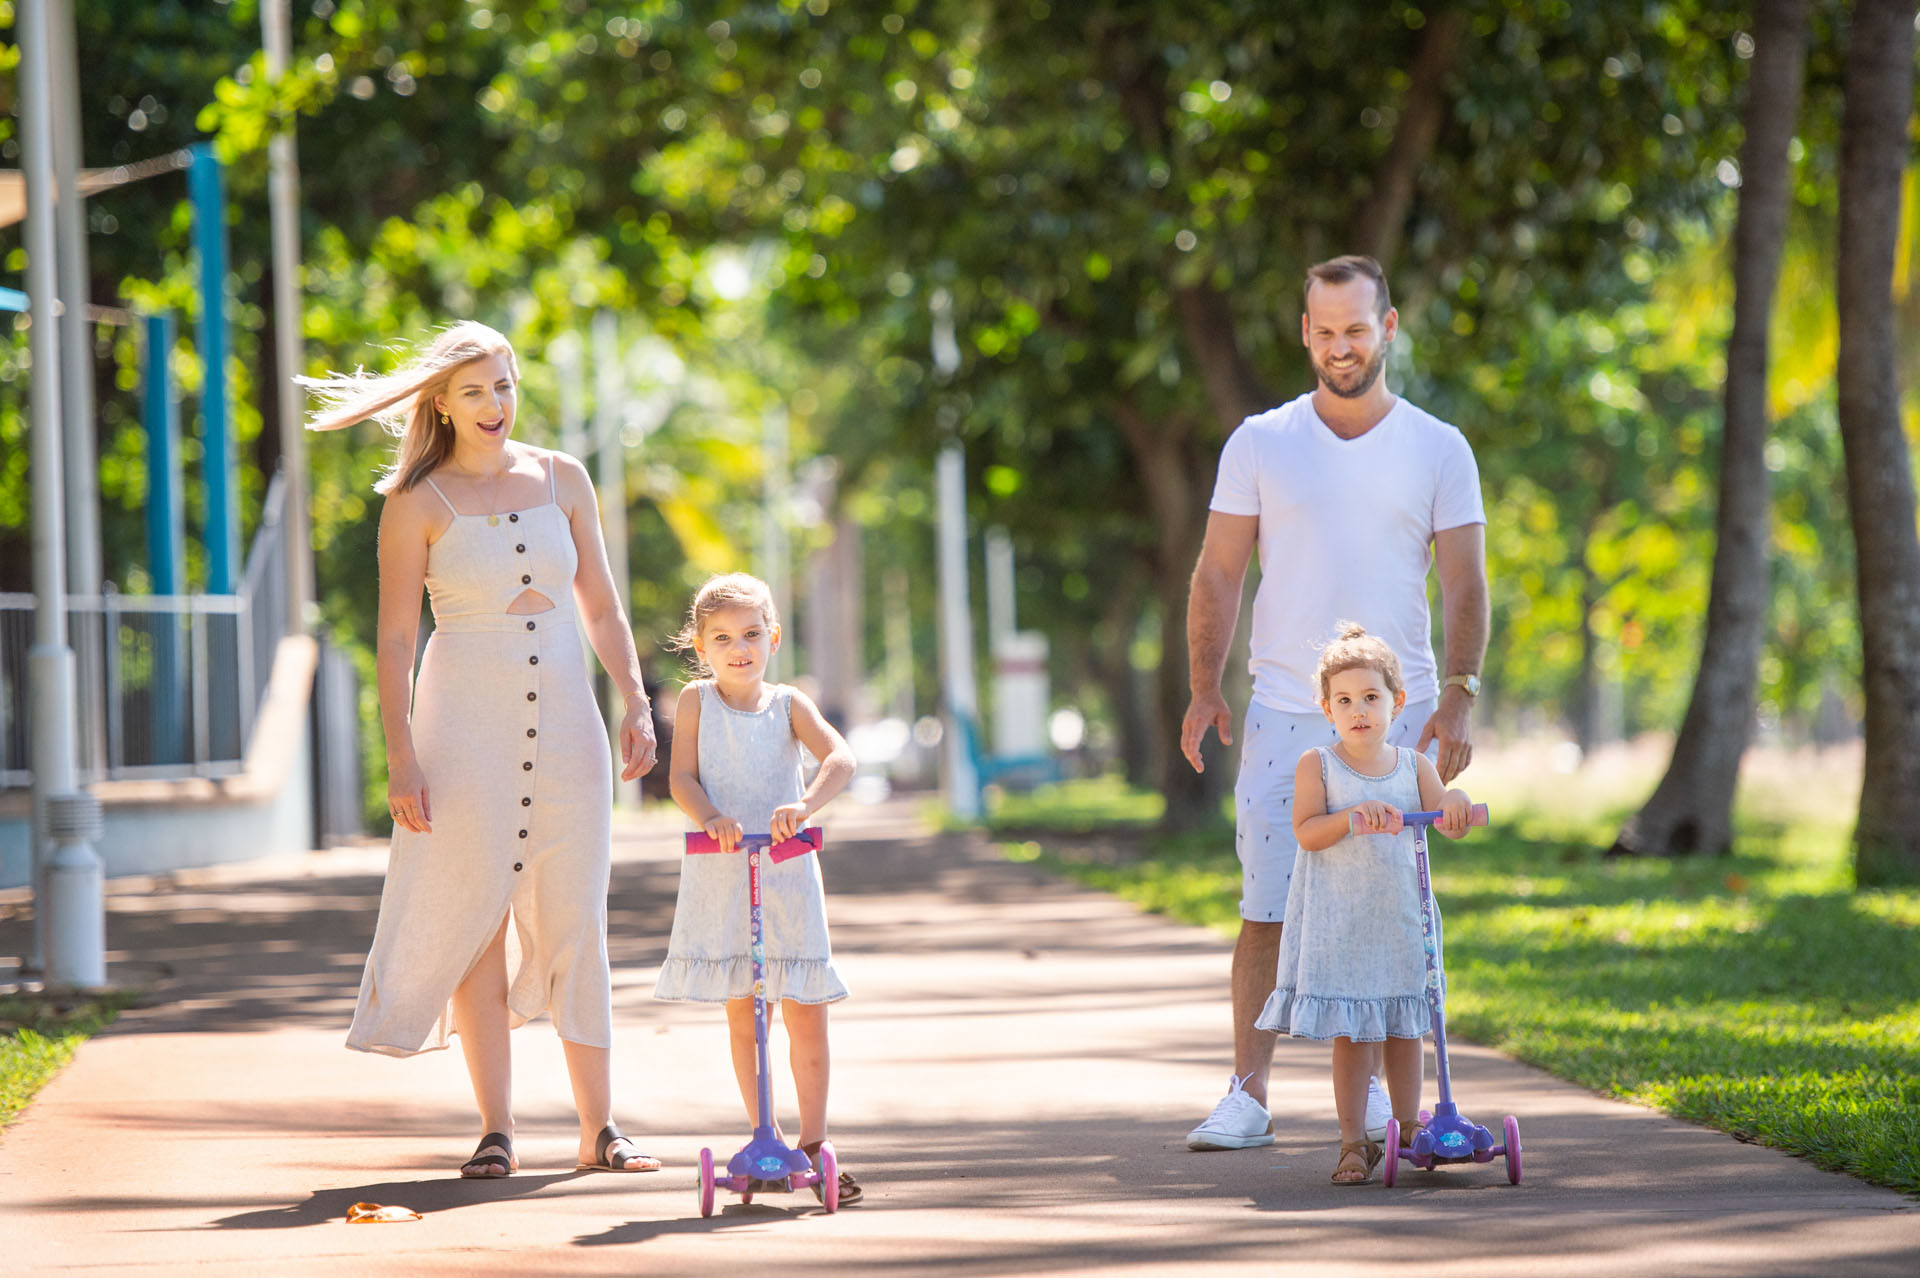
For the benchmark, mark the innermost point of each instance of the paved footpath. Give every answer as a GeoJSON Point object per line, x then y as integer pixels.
{"type": "Point", "coordinates": [1014, 1079]}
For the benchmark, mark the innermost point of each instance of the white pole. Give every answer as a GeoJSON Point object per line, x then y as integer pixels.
{"type": "Point", "coordinates": [76, 339]}
{"type": "Point", "coordinates": [1000, 620]}
{"type": "Point", "coordinates": [69, 892]}
{"type": "Point", "coordinates": [80, 450]}
{"type": "Point", "coordinates": [956, 632]}
{"type": "Point", "coordinates": [289, 322]}
{"type": "Point", "coordinates": [956, 601]}
{"type": "Point", "coordinates": [610, 465]}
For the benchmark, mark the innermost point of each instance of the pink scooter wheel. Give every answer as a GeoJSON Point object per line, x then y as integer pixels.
{"type": "Point", "coordinates": [1510, 1128]}
{"type": "Point", "coordinates": [706, 1182]}
{"type": "Point", "coordinates": [829, 1177]}
{"type": "Point", "coordinates": [1390, 1168]}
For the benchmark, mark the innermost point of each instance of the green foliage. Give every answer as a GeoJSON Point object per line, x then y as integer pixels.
{"type": "Point", "coordinates": [1759, 993]}
{"type": "Point", "coordinates": [39, 1034]}
{"type": "Point", "coordinates": [1063, 176]}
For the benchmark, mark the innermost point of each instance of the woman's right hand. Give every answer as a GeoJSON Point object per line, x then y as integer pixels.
{"type": "Point", "coordinates": [407, 797]}
{"type": "Point", "coordinates": [725, 831]}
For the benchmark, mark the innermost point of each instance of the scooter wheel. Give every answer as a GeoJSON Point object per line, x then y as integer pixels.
{"type": "Point", "coordinates": [829, 1177]}
{"type": "Point", "coordinates": [1390, 1168]}
{"type": "Point", "coordinates": [1510, 1128]}
{"type": "Point", "coordinates": [706, 1182]}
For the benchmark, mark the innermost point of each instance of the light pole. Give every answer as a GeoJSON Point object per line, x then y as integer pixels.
{"type": "Point", "coordinates": [70, 911]}
{"type": "Point", "coordinates": [956, 604]}
{"type": "Point", "coordinates": [289, 322]}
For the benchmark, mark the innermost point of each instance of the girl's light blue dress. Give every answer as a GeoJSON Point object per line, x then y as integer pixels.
{"type": "Point", "coordinates": [750, 764]}
{"type": "Point", "coordinates": [1352, 962]}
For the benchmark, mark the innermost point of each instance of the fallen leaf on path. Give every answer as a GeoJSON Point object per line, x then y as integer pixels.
{"type": "Point", "coordinates": [375, 1214]}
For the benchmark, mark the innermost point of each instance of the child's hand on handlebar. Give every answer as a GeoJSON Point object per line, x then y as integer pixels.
{"type": "Point", "coordinates": [725, 831]}
{"type": "Point", "coordinates": [786, 821]}
{"type": "Point", "coordinates": [1374, 817]}
{"type": "Point", "coordinates": [1456, 811]}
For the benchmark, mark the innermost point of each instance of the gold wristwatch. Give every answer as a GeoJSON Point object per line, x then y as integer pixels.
{"type": "Point", "coordinates": [1470, 682]}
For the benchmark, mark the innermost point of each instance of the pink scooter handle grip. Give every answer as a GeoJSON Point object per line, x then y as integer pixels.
{"type": "Point", "coordinates": [808, 840]}
{"type": "Point", "coordinates": [1477, 815]}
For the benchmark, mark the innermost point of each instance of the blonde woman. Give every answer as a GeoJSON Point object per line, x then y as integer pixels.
{"type": "Point", "coordinates": [498, 771]}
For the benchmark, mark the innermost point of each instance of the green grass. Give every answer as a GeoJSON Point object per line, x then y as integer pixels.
{"type": "Point", "coordinates": [1757, 993]}
{"type": "Point", "coordinates": [39, 1034]}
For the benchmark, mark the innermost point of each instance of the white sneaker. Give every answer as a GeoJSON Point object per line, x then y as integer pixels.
{"type": "Point", "coordinates": [1379, 1110]}
{"type": "Point", "coordinates": [1237, 1122]}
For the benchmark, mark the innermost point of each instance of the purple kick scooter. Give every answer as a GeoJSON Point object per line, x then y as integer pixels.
{"type": "Point", "coordinates": [1444, 1135]}
{"type": "Point", "coordinates": [766, 1157]}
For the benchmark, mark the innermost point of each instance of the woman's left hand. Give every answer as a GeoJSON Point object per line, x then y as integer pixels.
{"type": "Point", "coordinates": [637, 746]}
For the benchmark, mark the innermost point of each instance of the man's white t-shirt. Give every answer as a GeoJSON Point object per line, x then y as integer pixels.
{"type": "Point", "coordinates": [1346, 534]}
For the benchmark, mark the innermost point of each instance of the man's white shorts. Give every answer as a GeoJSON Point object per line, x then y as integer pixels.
{"type": "Point", "coordinates": [1272, 742]}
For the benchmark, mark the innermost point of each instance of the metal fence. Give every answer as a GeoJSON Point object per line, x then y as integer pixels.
{"type": "Point", "coordinates": [168, 685]}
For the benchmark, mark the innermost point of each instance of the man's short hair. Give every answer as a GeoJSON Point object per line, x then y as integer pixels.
{"type": "Point", "coordinates": [1341, 270]}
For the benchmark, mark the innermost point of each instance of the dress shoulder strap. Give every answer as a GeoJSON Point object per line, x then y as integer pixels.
{"type": "Point", "coordinates": [552, 496]}
{"type": "Point", "coordinates": [436, 492]}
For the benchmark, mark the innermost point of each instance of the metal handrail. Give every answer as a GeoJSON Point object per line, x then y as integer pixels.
{"type": "Point", "coordinates": [184, 674]}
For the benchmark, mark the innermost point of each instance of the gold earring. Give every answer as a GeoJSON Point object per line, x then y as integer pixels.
{"type": "Point", "coordinates": [445, 420]}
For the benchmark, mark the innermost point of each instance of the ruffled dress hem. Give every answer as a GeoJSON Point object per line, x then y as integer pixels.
{"type": "Point", "coordinates": [1364, 1020]}
{"type": "Point", "coordinates": [687, 980]}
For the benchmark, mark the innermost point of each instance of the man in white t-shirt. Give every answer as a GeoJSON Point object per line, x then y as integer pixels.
{"type": "Point", "coordinates": [1351, 495]}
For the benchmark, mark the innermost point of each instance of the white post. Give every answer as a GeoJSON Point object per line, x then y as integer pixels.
{"type": "Point", "coordinates": [610, 473]}
{"type": "Point", "coordinates": [956, 601]}
{"type": "Point", "coordinates": [956, 632]}
{"type": "Point", "coordinates": [70, 903]}
{"type": "Point", "coordinates": [76, 338]}
{"type": "Point", "coordinates": [999, 548]}
{"type": "Point", "coordinates": [775, 553]}
{"type": "Point", "coordinates": [80, 450]}
{"type": "Point", "coordinates": [289, 323]}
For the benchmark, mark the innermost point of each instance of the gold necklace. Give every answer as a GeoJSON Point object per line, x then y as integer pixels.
{"type": "Point", "coordinates": [493, 491]}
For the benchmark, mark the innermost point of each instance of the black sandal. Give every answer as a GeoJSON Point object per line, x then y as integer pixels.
{"type": "Point", "coordinates": [605, 1160]}
{"type": "Point", "coordinates": [850, 1191]}
{"type": "Point", "coordinates": [479, 1166]}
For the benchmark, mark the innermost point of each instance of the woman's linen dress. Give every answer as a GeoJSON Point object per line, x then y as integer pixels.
{"type": "Point", "coordinates": [519, 786]}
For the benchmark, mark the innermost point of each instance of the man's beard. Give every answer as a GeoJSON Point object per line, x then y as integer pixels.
{"type": "Point", "coordinates": [1358, 381]}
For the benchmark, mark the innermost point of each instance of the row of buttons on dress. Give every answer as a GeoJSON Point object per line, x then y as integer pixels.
{"type": "Point", "coordinates": [526, 579]}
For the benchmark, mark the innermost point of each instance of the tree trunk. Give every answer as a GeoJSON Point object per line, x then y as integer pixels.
{"type": "Point", "coordinates": [1176, 486]}
{"type": "Point", "coordinates": [1691, 810]}
{"type": "Point", "coordinates": [1376, 231]}
{"type": "Point", "coordinates": [1874, 146]}
{"type": "Point", "coordinates": [1133, 724]}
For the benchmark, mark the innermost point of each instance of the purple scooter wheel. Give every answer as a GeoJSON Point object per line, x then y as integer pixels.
{"type": "Point", "coordinates": [706, 1182]}
{"type": "Point", "coordinates": [1390, 1168]}
{"type": "Point", "coordinates": [829, 1177]}
{"type": "Point", "coordinates": [1510, 1129]}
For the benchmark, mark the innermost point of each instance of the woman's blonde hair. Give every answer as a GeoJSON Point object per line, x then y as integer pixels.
{"type": "Point", "coordinates": [1354, 649]}
{"type": "Point", "coordinates": [728, 590]}
{"type": "Point", "coordinates": [402, 401]}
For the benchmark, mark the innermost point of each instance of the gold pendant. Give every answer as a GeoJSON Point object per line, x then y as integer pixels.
{"type": "Point", "coordinates": [493, 521]}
